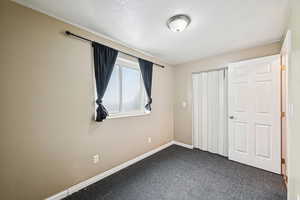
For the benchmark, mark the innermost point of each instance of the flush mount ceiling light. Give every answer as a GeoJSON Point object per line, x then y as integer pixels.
{"type": "Point", "coordinates": [178, 23]}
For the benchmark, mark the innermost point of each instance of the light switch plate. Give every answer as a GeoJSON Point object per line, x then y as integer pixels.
{"type": "Point", "coordinates": [96, 158]}
{"type": "Point", "coordinates": [298, 197]}
{"type": "Point", "coordinates": [291, 113]}
{"type": "Point", "coordinates": [149, 139]}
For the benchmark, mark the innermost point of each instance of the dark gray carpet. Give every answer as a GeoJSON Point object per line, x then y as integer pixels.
{"type": "Point", "coordinates": [183, 174]}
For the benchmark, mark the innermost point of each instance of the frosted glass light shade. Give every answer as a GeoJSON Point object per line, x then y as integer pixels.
{"type": "Point", "coordinates": [178, 23]}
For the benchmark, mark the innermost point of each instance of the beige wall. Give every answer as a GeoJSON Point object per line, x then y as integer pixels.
{"type": "Point", "coordinates": [183, 84]}
{"type": "Point", "coordinates": [48, 136]}
{"type": "Point", "coordinates": [294, 98]}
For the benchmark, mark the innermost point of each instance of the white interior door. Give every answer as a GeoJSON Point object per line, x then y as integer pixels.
{"type": "Point", "coordinates": [210, 111]}
{"type": "Point", "coordinates": [254, 113]}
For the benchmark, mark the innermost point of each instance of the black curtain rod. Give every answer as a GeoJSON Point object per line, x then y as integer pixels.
{"type": "Point", "coordinates": [80, 37]}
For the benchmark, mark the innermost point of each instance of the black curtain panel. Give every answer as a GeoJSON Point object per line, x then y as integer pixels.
{"type": "Point", "coordinates": [104, 61]}
{"type": "Point", "coordinates": [146, 69]}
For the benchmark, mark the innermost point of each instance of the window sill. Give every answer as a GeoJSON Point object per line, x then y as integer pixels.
{"type": "Point", "coordinates": [125, 115]}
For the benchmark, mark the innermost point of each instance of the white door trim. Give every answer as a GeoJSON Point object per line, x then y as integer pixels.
{"type": "Point", "coordinates": [286, 51]}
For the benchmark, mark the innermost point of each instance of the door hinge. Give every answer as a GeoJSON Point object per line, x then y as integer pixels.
{"type": "Point", "coordinates": [282, 114]}
{"type": "Point", "coordinates": [283, 68]}
{"type": "Point", "coordinates": [282, 161]}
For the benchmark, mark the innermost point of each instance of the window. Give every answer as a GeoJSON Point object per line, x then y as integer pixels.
{"type": "Point", "coordinates": [125, 94]}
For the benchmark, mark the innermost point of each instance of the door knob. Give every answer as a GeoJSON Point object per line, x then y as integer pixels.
{"type": "Point", "coordinates": [231, 117]}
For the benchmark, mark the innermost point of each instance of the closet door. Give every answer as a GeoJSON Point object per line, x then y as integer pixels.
{"type": "Point", "coordinates": [197, 101]}
{"type": "Point", "coordinates": [254, 112]}
{"type": "Point", "coordinates": [210, 112]}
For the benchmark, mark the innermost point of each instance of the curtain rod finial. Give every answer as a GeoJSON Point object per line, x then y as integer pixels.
{"type": "Point", "coordinates": [68, 32]}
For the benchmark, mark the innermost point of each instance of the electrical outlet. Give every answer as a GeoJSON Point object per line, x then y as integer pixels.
{"type": "Point", "coordinates": [149, 140]}
{"type": "Point", "coordinates": [96, 158]}
{"type": "Point", "coordinates": [298, 197]}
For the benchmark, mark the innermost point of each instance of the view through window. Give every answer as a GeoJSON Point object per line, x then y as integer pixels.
{"type": "Point", "coordinates": [125, 93]}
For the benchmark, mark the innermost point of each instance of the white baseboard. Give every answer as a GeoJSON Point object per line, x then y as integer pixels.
{"type": "Point", "coordinates": [107, 173]}
{"type": "Point", "coordinates": [183, 145]}
{"type": "Point", "coordinates": [59, 196]}
{"type": "Point", "coordinates": [100, 176]}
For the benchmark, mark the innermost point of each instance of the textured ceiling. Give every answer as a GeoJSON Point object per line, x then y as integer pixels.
{"type": "Point", "coordinates": [217, 25]}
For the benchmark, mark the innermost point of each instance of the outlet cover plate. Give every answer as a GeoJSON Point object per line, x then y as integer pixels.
{"type": "Point", "coordinates": [96, 158]}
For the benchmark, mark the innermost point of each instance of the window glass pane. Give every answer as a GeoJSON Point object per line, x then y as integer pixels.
{"type": "Point", "coordinates": [131, 89]}
{"type": "Point", "coordinates": [111, 99]}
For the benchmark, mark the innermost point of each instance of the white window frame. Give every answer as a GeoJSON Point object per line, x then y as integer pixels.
{"type": "Point", "coordinates": [122, 61]}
